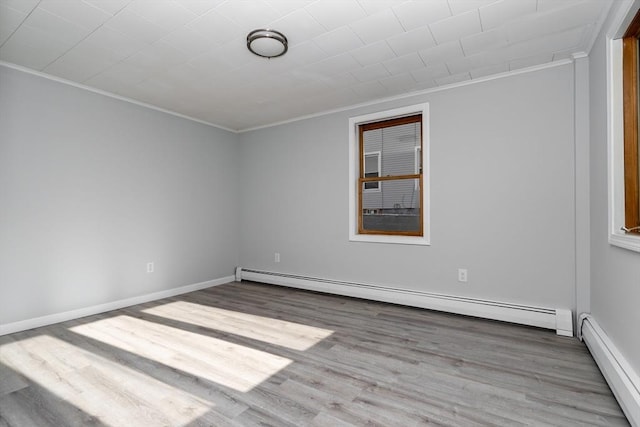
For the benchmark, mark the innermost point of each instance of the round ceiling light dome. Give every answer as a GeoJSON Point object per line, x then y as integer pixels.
{"type": "Point", "coordinates": [267, 43]}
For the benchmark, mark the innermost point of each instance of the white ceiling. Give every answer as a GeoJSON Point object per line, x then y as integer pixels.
{"type": "Point", "coordinates": [190, 56]}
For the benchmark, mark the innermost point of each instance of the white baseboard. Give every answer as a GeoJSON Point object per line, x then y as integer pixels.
{"type": "Point", "coordinates": [621, 377]}
{"type": "Point", "coordinates": [50, 319]}
{"type": "Point", "coordinates": [558, 319]}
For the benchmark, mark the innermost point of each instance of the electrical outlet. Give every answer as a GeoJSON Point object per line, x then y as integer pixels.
{"type": "Point", "coordinates": [462, 275]}
{"type": "Point", "coordinates": [276, 257]}
{"type": "Point", "coordinates": [150, 267]}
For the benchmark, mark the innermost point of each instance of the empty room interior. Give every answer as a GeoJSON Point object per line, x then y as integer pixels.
{"type": "Point", "coordinates": [319, 212]}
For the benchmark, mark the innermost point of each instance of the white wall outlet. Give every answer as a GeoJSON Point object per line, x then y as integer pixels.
{"type": "Point", "coordinates": [462, 275]}
{"type": "Point", "coordinates": [276, 257]}
{"type": "Point", "coordinates": [150, 267]}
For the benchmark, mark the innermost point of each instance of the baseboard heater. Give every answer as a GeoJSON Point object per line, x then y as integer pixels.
{"type": "Point", "coordinates": [621, 377]}
{"type": "Point", "coordinates": [558, 319]}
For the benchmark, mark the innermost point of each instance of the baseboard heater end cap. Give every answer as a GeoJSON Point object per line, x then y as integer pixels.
{"type": "Point", "coordinates": [238, 274]}
{"type": "Point", "coordinates": [564, 322]}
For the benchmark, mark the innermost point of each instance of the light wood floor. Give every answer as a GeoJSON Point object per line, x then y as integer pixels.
{"type": "Point", "coordinates": [249, 354]}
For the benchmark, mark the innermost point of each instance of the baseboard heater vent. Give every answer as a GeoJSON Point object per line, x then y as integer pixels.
{"type": "Point", "coordinates": [558, 319]}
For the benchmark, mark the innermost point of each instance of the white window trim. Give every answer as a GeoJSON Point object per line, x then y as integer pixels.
{"type": "Point", "coordinates": [354, 122]}
{"type": "Point", "coordinates": [615, 131]}
{"type": "Point", "coordinates": [379, 154]}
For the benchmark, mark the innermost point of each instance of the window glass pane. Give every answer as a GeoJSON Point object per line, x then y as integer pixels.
{"type": "Point", "coordinates": [397, 145]}
{"type": "Point", "coordinates": [368, 186]}
{"type": "Point", "coordinates": [371, 164]}
{"type": "Point", "coordinates": [396, 207]}
{"type": "Point", "coordinates": [371, 169]}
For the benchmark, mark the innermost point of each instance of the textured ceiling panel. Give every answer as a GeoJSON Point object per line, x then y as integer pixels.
{"type": "Point", "coordinates": [190, 56]}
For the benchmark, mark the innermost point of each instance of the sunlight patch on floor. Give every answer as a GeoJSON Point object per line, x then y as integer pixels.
{"type": "Point", "coordinates": [115, 394]}
{"type": "Point", "coordinates": [291, 335]}
{"type": "Point", "coordinates": [238, 367]}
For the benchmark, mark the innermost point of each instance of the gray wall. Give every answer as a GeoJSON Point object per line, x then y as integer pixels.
{"type": "Point", "coordinates": [615, 272]}
{"type": "Point", "coordinates": [93, 188]}
{"type": "Point", "coordinates": [502, 202]}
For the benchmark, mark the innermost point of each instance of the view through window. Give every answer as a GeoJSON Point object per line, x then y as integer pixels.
{"type": "Point", "coordinates": [390, 179]}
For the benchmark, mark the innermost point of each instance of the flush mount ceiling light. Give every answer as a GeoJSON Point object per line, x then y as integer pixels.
{"type": "Point", "coordinates": [267, 43]}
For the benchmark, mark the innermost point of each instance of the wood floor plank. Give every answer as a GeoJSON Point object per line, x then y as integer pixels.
{"type": "Point", "coordinates": [223, 402]}
{"type": "Point", "coordinates": [37, 406]}
{"type": "Point", "coordinates": [323, 419]}
{"type": "Point", "coordinates": [260, 418]}
{"type": "Point", "coordinates": [247, 354]}
{"type": "Point", "coordinates": [10, 381]}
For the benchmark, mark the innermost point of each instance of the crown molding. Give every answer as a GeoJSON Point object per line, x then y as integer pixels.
{"type": "Point", "coordinates": [110, 94]}
{"type": "Point", "coordinates": [414, 94]}
{"type": "Point", "coordinates": [403, 96]}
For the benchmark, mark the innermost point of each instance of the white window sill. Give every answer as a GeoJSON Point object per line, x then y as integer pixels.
{"type": "Point", "coordinates": [402, 240]}
{"type": "Point", "coordinates": [625, 241]}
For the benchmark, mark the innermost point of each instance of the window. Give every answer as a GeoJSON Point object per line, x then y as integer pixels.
{"type": "Point", "coordinates": [388, 185]}
{"type": "Point", "coordinates": [372, 169]}
{"type": "Point", "coordinates": [397, 207]}
{"type": "Point", "coordinates": [630, 101]}
{"type": "Point", "coordinates": [622, 122]}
